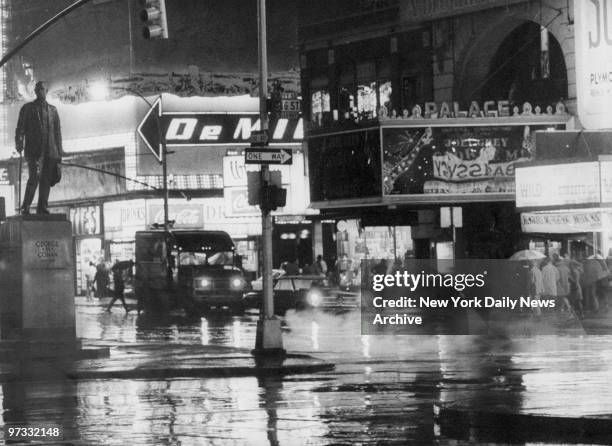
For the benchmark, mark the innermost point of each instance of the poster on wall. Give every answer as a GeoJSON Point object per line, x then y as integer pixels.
{"type": "Point", "coordinates": [593, 63]}
{"type": "Point", "coordinates": [455, 160]}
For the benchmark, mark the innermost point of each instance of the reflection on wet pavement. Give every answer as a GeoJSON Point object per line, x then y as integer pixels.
{"type": "Point", "coordinates": [381, 392]}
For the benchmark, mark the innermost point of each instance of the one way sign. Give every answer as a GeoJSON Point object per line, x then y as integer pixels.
{"type": "Point", "coordinates": [268, 156]}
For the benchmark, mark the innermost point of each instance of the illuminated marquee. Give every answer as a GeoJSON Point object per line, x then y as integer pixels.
{"type": "Point", "coordinates": [227, 129]}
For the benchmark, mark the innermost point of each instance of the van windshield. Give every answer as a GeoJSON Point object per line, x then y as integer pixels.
{"type": "Point", "coordinates": [221, 258]}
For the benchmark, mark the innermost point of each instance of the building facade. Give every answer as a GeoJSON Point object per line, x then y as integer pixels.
{"type": "Point", "coordinates": [104, 76]}
{"type": "Point", "coordinates": [417, 114]}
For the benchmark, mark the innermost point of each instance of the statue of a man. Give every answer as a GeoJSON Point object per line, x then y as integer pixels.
{"type": "Point", "coordinates": [38, 133]}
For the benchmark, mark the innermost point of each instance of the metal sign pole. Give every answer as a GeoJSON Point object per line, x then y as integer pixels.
{"type": "Point", "coordinates": [268, 339]}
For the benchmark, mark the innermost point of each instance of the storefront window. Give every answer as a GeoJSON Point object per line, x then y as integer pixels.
{"type": "Point", "coordinates": [373, 242]}
{"type": "Point", "coordinates": [122, 250]}
{"type": "Point", "coordinates": [87, 250]}
{"type": "Point", "coordinates": [346, 103]}
{"type": "Point", "coordinates": [345, 166]}
{"type": "Point", "coordinates": [384, 95]}
{"type": "Point", "coordinates": [366, 100]}
{"type": "Point", "coordinates": [319, 105]}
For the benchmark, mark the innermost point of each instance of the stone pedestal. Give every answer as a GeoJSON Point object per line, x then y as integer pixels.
{"type": "Point", "coordinates": [37, 279]}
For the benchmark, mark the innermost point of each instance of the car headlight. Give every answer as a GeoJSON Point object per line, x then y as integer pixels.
{"type": "Point", "coordinates": [314, 298]}
{"type": "Point", "coordinates": [203, 282]}
{"type": "Point", "coordinates": [237, 283]}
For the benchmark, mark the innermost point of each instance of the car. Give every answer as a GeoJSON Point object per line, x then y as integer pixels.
{"type": "Point", "coordinates": [303, 292]}
{"type": "Point", "coordinates": [257, 284]}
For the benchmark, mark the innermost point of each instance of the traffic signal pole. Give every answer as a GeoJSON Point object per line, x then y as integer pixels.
{"type": "Point", "coordinates": [268, 339]}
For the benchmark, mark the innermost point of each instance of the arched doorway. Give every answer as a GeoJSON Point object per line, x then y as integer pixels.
{"type": "Point", "coordinates": [515, 71]}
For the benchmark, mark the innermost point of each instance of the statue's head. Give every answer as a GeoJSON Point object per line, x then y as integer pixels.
{"type": "Point", "coordinates": [41, 90]}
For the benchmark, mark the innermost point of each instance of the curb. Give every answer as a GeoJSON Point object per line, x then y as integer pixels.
{"type": "Point", "coordinates": [166, 373]}
{"type": "Point", "coordinates": [200, 372]}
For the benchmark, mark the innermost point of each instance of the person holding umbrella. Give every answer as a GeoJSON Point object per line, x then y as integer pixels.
{"type": "Point", "coordinates": [535, 286]}
{"type": "Point", "coordinates": [119, 283]}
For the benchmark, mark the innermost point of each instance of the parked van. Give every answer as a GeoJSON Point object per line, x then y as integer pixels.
{"type": "Point", "coordinates": [193, 269]}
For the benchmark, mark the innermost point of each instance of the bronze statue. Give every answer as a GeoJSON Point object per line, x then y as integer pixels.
{"type": "Point", "coordinates": [38, 134]}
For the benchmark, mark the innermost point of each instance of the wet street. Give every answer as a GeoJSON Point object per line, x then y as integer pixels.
{"type": "Point", "coordinates": [382, 390]}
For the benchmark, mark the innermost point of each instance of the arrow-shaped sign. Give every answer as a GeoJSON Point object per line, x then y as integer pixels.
{"type": "Point", "coordinates": [268, 156]}
{"type": "Point", "coordinates": [189, 129]}
{"type": "Point", "coordinates": [150, 130]}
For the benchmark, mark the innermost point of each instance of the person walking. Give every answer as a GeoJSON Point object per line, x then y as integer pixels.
{"type": "Point", "coordinates": [39, 136]}
{"type": "Point", "coordinates": [320, 266]}
{"type": "Point", "coordinates": [576, 298]}
{"type": "Point", "coordinates": [101, 279]}
{"type": "Point", "coordinates": [536, 284]}
{"type": "Point", "coordinates": [602, 287]}
{"type": "Point", "coordinates": [591, 272]}
{"type": "Point", "coordinates": [119, 284]}
{"type": "Point", "coordinates": [563, 285]}
{"type": "Point", "coordinates": [90, 274]}
{"type": "Point", "coordinates": [292, 268]}
{"type": "Point", "coordinates": [550, 279]}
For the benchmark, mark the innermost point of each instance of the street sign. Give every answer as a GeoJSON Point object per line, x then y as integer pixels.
{"type": "Point", "coordinates": [181, 129]}
{"type": "Point", "coordinates": [149, 129]}
{"type": "Point", "coordinates": [290, 106]}
{"type": "Point", "coordinates": [268, 156]}
{"type": "Point", "coordinates": [259, 137]}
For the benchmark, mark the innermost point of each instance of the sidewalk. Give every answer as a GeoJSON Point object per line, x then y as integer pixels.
{"type": "Point", "coordinates": [147, 360]}
{"type": "Point", "coordinates": [153, 361]}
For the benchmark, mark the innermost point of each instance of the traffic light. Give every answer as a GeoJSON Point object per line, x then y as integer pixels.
{"type": "Point", "coordinates": [254, 188]}
{"type": "Point", "coordinates": [273, 197]}
{"type": "Point", "coordinates": [154, 18]}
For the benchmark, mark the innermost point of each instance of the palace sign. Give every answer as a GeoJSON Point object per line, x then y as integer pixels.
{"type": "Point", "coordinates": [212, 129]}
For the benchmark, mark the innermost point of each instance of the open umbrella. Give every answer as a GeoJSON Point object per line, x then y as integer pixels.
{"type": "Point", "coordinates": [527, 254]}
{"type": "Point", "coordinates": [596, 257]}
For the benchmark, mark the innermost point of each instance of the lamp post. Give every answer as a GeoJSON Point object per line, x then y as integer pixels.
{"type": "Point", "coordinates": [268, 341]}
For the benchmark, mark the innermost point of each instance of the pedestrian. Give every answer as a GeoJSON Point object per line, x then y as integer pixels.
{"type": "Point", "coordinates": [101, 279]}
{"type": "Point", "coordinates": [332, 272]}
{"type": "Point", "coordinates": [343, 264]}
{"type": "Point", "coordinates": [118, 270]}
{"type": "Point", "coordinates": [602, 287]}
{"type": "Point", "coordinates": [380, 267]}
{"type": "Point", "coordinates": [320, 266]}
{"type": "Point", "coordinates": [576, 298]}
{"type": "Point", "coordinates": [308, 269]}
{"type": "Point", "coordinates": [563, 285]}
{"type": "Point", "coordinates": [536, 284]}
{"type": "Point", "coordinates": [550, 279]}
{"type": "Point", "coordinates": [90, 274]}
{"type": "Point", "coordinates": [590, 276]}
{"type": "Point", "coordinates": [292, 268]}
{"type": "Point", "coordinates": [39, 136]}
